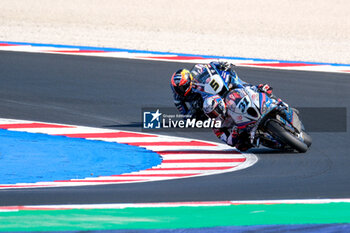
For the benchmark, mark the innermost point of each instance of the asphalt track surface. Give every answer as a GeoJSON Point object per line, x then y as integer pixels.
{"type": "Point", "coordinates": [110, 92]}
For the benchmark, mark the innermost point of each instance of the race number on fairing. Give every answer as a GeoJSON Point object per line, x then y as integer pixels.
{"type": "Point", "coordinates": [214, 85]}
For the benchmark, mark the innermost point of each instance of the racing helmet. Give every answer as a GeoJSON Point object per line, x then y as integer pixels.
{"type": "Point", "coordinates": [214, 107]}
{"type": "Point", "coordinates": [181, 82]}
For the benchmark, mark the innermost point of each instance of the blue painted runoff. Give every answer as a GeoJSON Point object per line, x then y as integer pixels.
{"type": "Point", "coordinates": [31, 157]}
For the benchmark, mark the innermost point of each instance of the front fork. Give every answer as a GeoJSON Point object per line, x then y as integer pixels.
{"type": "Point", "coordinates": [272, 114]}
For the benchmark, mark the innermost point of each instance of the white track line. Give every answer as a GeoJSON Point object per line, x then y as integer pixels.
{"type": "Point", "coordinates": [171, 204]}
{"type": "Point", "coordinates": [130, 54]}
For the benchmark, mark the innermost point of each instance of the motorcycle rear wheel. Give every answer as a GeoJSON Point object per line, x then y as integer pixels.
{"type": "Point", "coordinates": [285, 137]}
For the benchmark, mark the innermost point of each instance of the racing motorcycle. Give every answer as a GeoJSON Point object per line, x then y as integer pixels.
{"type": "Point", "coordinates": [268, 121]}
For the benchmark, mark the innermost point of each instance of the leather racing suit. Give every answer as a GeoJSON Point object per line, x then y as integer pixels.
{"type": "Point", "coordinates": [191, 104]}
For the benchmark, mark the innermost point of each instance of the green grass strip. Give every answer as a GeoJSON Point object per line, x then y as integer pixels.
{"type": "Point", "coordinates": [174, 217]}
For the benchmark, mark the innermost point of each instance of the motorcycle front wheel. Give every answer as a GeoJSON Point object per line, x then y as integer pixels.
{"type": "Point", "coordinates": [285, 137]}
{"type": "Point", "coordinates": [307, 139]}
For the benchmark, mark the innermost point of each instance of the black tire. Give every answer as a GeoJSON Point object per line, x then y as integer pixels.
{"type": "Point", "coordinates": [285, 137]}
{"type": "Point", "coordinates": [307, 139]}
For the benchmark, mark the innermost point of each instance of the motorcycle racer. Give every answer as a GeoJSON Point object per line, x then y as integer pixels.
{"type": "Point", "coordinates": [222, 110]}
{"type": "Point", "coordinates": [189, 94]}
{"type": "Point", "coordinates": [232, 131]}
{"type": "Point", "coordinates": [187, 98]}
{"type": "Point", "coordinates": [248, 119]}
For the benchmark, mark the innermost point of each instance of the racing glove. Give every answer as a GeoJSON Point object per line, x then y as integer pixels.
{"type": "Point", "coordinates": [224, 65]}
{"type": "Point", "coordinates": [265, 88]}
